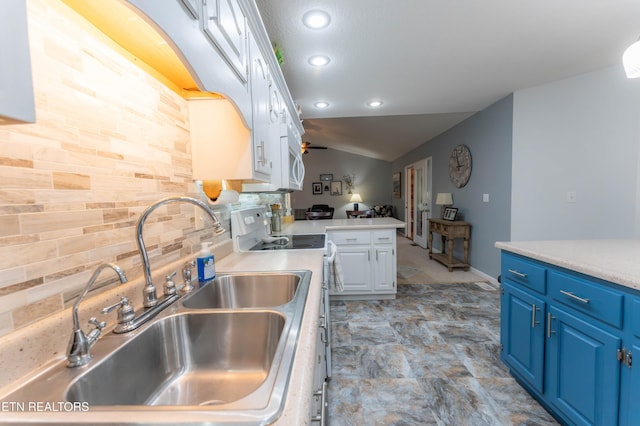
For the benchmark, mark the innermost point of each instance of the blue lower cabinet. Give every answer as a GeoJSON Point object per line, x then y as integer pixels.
{"type": "Point", "coordinates": [582, 370]}
{"type": "Point", "coordinates": [522, 334]}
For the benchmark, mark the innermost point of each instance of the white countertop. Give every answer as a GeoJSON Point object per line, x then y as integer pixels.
{"type": "Point", "coordinates": [321, 226]}
{"type": "Point", "coordinates": [296, 408]}
{"type": "Point", "coordinates": [45, 341]}
{"type": "Point", "coordinates": [617, 261]}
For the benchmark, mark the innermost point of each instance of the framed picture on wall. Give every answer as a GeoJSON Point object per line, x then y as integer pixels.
{"type": "Point", "coordinates": [450, 213]}
{"type": "Point", "coordinates": [317, 188]}
{"type": "Point", "coordinates": [397, 191]}
{"type": "Point", "coordinates": [336, 187]}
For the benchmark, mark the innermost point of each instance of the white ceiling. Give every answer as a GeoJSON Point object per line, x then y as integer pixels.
{"type": "Point", "coordinates": [434, 62]}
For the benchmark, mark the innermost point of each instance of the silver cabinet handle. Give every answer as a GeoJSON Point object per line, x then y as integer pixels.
{"type": "Point", "coordinates": [549, 318]}
{"type": "Point", "coordinates": [533, 316]}
{"type": "Point", "coordinates": [574, 297]}
{"type": "Point", "coordinates": [323, 402]}
{"type": "Point", "coordinates": [520, 274]}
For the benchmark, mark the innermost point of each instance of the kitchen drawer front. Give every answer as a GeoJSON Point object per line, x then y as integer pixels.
{"type": "Point", "coordinates": [524, 272]}
{"type": "Point", "coordinates": [342, 238]}
{"type": "Point", "coordinates": [588, 297]}
{"type": "Point", "coordinates": [383, 236]}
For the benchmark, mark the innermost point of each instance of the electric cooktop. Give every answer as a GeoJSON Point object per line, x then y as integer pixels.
{"type": "Point", "coordinates": [292, 242]}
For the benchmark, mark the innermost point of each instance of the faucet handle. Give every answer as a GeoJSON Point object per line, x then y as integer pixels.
{"type": "Point", "coordinates": [125, 313]}
{"type": "Point", "coordinates": [170, 286]}
{"type": "Point", "coordinates": [186, 275]}
{"type": "Point", "coordinates": [98, 324]}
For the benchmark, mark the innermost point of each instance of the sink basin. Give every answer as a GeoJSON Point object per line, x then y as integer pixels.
{"type": "Point", "coordinates": [246, 290]}
{"type": "Point", "coordinates": [187, 359]}
{"type": "Point", "coordinates": [224, 356]}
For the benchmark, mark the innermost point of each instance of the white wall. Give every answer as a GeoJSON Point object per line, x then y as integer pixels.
{"type": "Point", "coordinates": [581, 135]}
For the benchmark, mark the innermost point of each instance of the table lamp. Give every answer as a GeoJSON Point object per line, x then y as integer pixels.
{"type": "Point", "coordinates": [444, 199]}
{"type": "Point", "coordinates": [355, 199]}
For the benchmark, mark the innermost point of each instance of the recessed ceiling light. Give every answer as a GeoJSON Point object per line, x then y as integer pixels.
{"type": "Point", "coordinates": [321, 104]}
{"type": "Point", "coordinates": [319, 60]}
{"type": "Point", "coordinates": [316, 19]}
{"type": "Point", "coordinates": [374, 104]}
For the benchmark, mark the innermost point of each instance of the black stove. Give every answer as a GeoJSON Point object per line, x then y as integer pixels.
{"type": "Point", "coordinates": [296, 242]}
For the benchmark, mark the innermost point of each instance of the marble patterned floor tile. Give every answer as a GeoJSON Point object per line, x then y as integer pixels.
{"type": "Point", "coordinates": [455, 402]}
{"type": "Point", "coordinates": [429, 357]}
{"type": "Point", "coordinates": [371, 333]}
{"type": "Point", "coordinates": [395, 402]}
{"type": "Point", "coordinates": [382, 361]}
{"type": "Point", "coordinates": [515, 404]}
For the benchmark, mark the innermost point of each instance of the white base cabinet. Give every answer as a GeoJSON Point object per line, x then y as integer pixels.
{"type": "Point", "coordinates": [369, 263]}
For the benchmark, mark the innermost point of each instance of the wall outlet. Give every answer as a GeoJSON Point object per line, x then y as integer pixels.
{"type": "Point", "coordinates": [572, 197]}
{"type": "Point", "coordinates": [199, 217]}
{"type": "Point", "coordinates": [485, 198]}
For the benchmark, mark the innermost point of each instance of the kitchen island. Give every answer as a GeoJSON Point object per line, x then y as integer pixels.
{"type": "Point", "coordinates": [367, 252]}
{"type": "Point", "coordinates": [570, 325]}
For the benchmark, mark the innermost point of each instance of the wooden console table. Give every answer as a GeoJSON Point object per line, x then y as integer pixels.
{"type": "Point", "coordinates": [450, 230]}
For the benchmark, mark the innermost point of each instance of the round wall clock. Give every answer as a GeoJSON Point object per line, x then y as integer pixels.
{"type": "Point", "coordinates": [460, 165]}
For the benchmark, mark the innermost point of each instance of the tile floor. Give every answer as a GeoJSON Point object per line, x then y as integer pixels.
{"type": "Point", "coordinates": [430, 357]}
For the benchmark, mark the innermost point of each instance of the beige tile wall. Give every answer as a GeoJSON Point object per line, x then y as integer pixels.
{"type": "Point", "coordinates": [109, 140]}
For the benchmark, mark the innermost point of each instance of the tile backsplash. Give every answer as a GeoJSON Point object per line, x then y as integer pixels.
{"type": "Point", "coordinates": [109, 140]}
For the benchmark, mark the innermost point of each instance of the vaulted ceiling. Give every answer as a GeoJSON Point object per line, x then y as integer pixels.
{"type": "Point", "coordinates": [434, 63]}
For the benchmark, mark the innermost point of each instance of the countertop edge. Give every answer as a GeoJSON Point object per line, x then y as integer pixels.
{"type": "Point", "coordinates": [615, 261]}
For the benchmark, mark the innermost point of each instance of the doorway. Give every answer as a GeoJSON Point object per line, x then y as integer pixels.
{"type": "Point", "coordinates": [418, 203]}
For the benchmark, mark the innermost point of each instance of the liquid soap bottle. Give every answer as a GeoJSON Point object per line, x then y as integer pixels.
{"type": "Point", "coordinates": [206, 264]}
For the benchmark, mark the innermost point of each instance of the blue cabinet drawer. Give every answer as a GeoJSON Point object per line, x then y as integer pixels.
{"type": "Point", "coordinates": [586, 296]}
{"type": "Point", "coordinates": [516, 269]}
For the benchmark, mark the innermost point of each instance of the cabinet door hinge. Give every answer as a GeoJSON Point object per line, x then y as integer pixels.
{"type": "Point", "coordinates": [501, 347]}
{"type": "Point", "coordinates": [624, 357]}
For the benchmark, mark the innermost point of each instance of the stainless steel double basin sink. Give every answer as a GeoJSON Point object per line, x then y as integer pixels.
{"type": "Point", "coordinates": [222, 354]}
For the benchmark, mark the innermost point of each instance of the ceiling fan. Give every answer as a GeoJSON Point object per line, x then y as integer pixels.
{"type": "Point", "coordinates": [307, 145]}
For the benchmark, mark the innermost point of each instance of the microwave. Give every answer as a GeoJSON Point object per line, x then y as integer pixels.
{"type": "Point", "coordinates": [288, 168]}
{"type": "Point", "coordinates": [293, 172]}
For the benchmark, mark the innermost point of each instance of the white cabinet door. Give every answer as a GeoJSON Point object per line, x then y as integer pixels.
{"type": "Point", "coordinates": [16, 89]}
{"type": "Point", "coordinates": [356, 268]}
{"type": "Point", "coordinates": [384, 268]}
{"type": "Point", "coordinates": [225, 25]}
{"type": "Point", "coordinates": [260, 96]}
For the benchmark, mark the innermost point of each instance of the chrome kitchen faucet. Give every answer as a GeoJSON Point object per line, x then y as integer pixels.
{"type": "Point", "coordinates": [78, 351]}
{"type": "Point", "coordinates": [149, 295]}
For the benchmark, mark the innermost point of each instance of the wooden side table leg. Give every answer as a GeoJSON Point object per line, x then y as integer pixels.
{"type": "Point", "coordinates": [430, 245]}
{"type": "Point", "coordinates": [450, 253]}
{"type": "Point", "coordinates": [466, 254]}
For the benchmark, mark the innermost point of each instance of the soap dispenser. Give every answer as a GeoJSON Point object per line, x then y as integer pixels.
{"type": "Point", "coordinates": [206, 264]}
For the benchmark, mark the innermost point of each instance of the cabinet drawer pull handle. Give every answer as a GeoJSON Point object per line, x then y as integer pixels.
{"type": "Point", "coordinates": [549, 318]}
{"type": "Point", "coordinates": [573, 296]}
{"type": "Point", "coordinates": [534, 308]}
{"type": "Point", "coordinates": [520, 274]}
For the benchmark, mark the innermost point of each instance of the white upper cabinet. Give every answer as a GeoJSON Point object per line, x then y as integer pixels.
{"type": "Point", "coordinates": [264, 143]}
{"type": "Point", "coordinates": [211, 48]}
{"type": "Point", "coordinates": [225, 46]}
{"type": "Point", "coordinates": [16, 88]}
{"type": "Point", "coordinates": [225, 25]}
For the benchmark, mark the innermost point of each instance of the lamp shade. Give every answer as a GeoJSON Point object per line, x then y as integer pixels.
{"type": "Point", "coordinates": [631, 60]}
{"type": "Point", "coordinates": [355, 198]}
{"type": "Point", "coordinates": [444, 199]}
